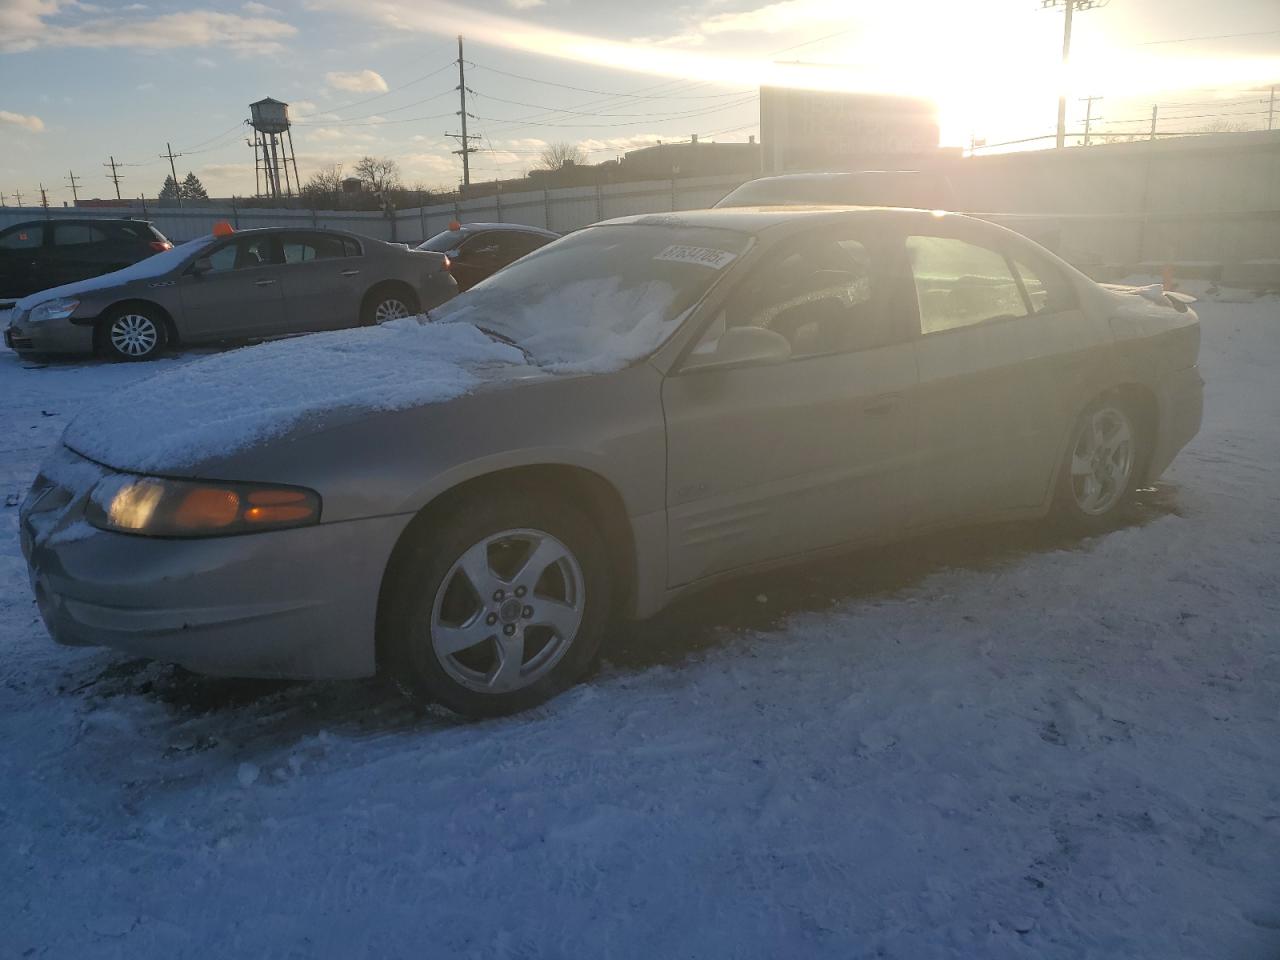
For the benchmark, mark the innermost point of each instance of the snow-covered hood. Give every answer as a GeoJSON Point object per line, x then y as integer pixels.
{"type": "Point", "coordinates": [151, 268]}
{"type": "Point", "coordinates": [227, 403]}
{"type": "Point", "coordinates": [1154, 292]}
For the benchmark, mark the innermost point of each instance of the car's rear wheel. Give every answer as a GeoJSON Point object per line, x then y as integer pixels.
{"type": "Point", "coordinates": [497, 606]}
{"type": "Point", "coordinates": [388, 303]}
{"type": "Point", "coordinates": [133, 333]}
{"type": "Point", "coordinates": [1103, 464]}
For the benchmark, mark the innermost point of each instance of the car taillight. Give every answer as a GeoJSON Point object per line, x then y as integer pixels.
{"type": "Point", "coordinates": [160, 246]}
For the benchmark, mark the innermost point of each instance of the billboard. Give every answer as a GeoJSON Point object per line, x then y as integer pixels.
{"type": "Point", "coordinates": [827, 130]}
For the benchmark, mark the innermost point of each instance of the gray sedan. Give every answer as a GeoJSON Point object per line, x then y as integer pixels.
{"type": "Point", "coordinates": [232, 286]}
{"type": "Point", "coordinates": [636, 410]}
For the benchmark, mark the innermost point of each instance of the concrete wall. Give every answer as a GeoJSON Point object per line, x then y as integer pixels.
{"type": "Point", "coordinates": [1209, 199]}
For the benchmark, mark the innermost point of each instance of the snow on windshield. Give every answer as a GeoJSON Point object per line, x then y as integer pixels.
{"type": "Point", "coordinates": [235, 400]}
{"type": "Point", "coordinates": [600, 299]}
{"type": "Point", "coordinates": [148, 269]}
{"type": "Point", "coordinates": [589, 326]}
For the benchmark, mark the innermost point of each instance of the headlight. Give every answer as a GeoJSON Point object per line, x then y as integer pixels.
{"type": "Point", "coordinates": [154, 507]}
{"type": "Point", "coordinates": [54, 309]}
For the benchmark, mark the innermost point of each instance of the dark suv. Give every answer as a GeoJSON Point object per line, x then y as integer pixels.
{"type": "Point", "coordinates": [40, 254]}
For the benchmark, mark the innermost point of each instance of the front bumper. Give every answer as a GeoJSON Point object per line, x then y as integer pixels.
{"type": "Point", "coordinates": [291, 603]}
{"type": "Point", "coordinates": [49, 336]}
{"type": "Point", "coordinates": [1181, 401]}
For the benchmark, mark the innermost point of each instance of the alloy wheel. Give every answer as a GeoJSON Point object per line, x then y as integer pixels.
{"type": "Point", "coordinates": [1102, 461]}
{"type": "Point", "coordinates": [134, 335]}
{"type": "Point", "coordinates": [390, 309]}
{"type": "Point", "coordinates": [507, 611]}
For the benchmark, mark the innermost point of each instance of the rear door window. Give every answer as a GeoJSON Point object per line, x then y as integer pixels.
{"type": "Point", "coordinates": [960, 284]}
{"type": "Point", "coordinates": [23, 238]}
{"type": "Point", "coordinates": [305, 247]}
{"type": "Point", "coordinates": [77, 234]}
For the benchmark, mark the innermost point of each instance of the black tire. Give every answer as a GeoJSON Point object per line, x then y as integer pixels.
{"type": "Point", "coordinates": [1081, 501]}
{"type": "Point", "coordinates": [133, 333]}
{"type": "Point", "coordinates": [418, 577]}
{"type": "Point", "coordinates": [383, 299]}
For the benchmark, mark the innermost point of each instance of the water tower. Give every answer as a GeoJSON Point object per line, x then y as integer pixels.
{"type": "Point", "coordinates": [273, 149]}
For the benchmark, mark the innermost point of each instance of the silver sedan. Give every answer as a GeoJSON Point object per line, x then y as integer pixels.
{"type": "Point", "coordinates": [634, 411]}
{"type": "Point", "coordinates": [233, 285]}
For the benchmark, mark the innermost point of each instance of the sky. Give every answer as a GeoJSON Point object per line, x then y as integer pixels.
{"type": "Point", "coordinates": [82, 82]}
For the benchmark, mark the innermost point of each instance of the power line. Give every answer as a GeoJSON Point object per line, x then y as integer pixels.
{"type": "Point", "coordinates": [606, 93]}
{"type": "Point", "coordinates": [627, 123]}
{"type": "Point", "coordinates": [377, 96]}
{"type": "Point", "coordinates": [346, 121]}
{"type": "Point", "coordinates": [1221, 36]}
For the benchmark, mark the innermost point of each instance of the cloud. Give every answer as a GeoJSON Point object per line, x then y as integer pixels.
{"type": "Point", "coordinates": [525, 4]}
{"type": "Point", "coordinates": [255, 9]}
{"type": "Point", "coordinates": [26, 121]}
{"type": "Point", "coordinates": [28, 24]}
{"type": "Point", "coordinates": [362, 81]}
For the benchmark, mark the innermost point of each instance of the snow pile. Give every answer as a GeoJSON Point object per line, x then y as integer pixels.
{"type": "Point", "coordinates": [233, 401]}
{"type": "Point", "coordinates": [148, 269]}
{"type": "Point", "coordinates": [588, 326]}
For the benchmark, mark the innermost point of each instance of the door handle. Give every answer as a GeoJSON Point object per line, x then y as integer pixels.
{"type": "Point", "coordinates": [263, 283]}
{"type": "Point", "coordinates": [881, 406]}
{"type": "Point", "coordinates": [349, 273]}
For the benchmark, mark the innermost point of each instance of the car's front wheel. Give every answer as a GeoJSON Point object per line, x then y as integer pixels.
{"type": "Point", "coordinates": [1103, 465]}
{"type": "Point", "coordinates": [133, 333]}
{"type": "Point", "coordinates": [497, 606]}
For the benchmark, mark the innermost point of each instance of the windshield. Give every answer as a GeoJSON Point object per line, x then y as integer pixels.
{"type": "Point", "coordinates": [442, 242]}
{"type": "Point", "coordinates": [600, 298]}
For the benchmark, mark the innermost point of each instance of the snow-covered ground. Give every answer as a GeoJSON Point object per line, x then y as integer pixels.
{"type": "Point", "coordinates": [994, 743]}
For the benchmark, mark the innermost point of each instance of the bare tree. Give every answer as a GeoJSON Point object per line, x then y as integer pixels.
{"type": "Point", "coordinates": [380, 174]}
{"type": "Point", "coordinates": [324, 187]}
{"type": "Point", "coordinates": [557, 156]}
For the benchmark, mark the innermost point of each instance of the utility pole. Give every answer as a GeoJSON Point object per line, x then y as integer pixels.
{"type": "Point", "coordinates": [464, 140]}
{"type": "Point", "coordinates": [115, 177]}
{"type": "Point", "coordinates": [17, 195]}
{"type": "Point", "coordinates": [44, 197]}
{"type": "Point", "coordinates": [173, 170]}
{"type": "Point", "coordinates": [1271, 107]}
{"type": "Point", "coordinates": [1069, 6]}
{"type": "Point", "coordinates": [1155, 111]}
{"type": "Point", "coordinates": [1088, 116]}
{"type": "Point", "coordinates": [73, 180]}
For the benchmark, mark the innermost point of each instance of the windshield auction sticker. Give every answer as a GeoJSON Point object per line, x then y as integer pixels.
{"type": "Point", "coordinates": [702, 256]}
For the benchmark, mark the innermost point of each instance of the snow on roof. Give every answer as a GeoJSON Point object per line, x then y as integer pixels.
{"type": "Point", "coordinates": [236, 400]}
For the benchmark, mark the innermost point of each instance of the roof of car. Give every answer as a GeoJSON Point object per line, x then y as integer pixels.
{"type": "Point", "coordinates": [514, 227]}
{"type": "Point", "coordinates": [51, 220]}
{"type": "Point", "coordinates": [756, 219]}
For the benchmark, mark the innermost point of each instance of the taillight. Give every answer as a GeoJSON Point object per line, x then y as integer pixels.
{"type": "Point", "coordinates": [160, 246]}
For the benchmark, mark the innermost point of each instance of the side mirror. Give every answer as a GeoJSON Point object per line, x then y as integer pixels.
{"type": "Point", "coordinates": [739, 346]}
{"type": "Point", "coordinates": [201, 265]}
